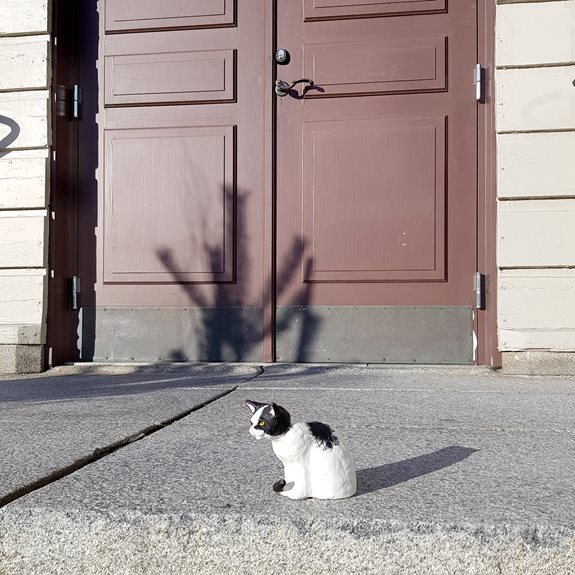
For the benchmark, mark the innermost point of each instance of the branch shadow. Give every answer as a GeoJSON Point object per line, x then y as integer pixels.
{"type": "Point", "coordinates": [225, 332]}
{"type": "Point", "coordinates": [390, 474]}
{"type": "Point", "coordinates": [11, 136]}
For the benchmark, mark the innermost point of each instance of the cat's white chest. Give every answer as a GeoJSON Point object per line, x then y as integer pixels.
{"type": "Point", "coordinates": [293, 446]}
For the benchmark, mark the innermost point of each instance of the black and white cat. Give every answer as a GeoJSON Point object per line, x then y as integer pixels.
{"type": "Point", "coordinates": [316, 463]}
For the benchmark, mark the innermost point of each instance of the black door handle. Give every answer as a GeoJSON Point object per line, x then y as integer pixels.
{"type": "Point", "coordinates": [282, 87]}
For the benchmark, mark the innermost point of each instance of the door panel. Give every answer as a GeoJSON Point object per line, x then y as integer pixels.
{"type": "Point", "coordinates": [193, 221]}
{"type": "Point", "coordinates": [169, 78]}
{"type": "Point", "coordinates": [344, 68]}
{"type": "Point", "coordinates": [324, 9]}
{"type": "Point", "coordinates": [131, 15]}
{"type": "Point", "coordinates": [377, 178]}
{"type": "Point", "coordinates": [172, 201]}
{"type": "Point", "coordinates": [344, 230]}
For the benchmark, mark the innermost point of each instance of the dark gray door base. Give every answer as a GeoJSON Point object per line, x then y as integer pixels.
{"type": "Point", "coordinates": [322, 334]}
{"type": "Point", "coordinates": [375, 334]}
{"type": "Point", "coordinates": [171, 334]}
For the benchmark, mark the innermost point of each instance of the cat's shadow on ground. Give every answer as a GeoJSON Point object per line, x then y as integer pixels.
{"type": "Point", "coordinates": [376, 478]}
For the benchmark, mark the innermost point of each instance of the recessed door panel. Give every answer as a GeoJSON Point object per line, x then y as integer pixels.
{"type": "Point", "coordinates": [169, 191]}
{"type": "Point", "coordinates": [327, 9]}
{"type": "Point", "coordinates": [174, 77]}
{"type": "Point", "coordinates": [358, 226]}
{"type": "Point", "coordinates": [372, 67]}
{"type": "Point", "coordinates": [136, 15]}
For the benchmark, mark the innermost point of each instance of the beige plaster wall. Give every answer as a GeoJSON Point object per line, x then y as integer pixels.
{"type": "Point", "coordinates": [535, 57]}
{"type": "Point", "coordinates": [24, 150]}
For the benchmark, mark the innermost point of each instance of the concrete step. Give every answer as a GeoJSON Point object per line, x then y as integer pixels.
{"type": "Point", "coordinates": [459, 471]}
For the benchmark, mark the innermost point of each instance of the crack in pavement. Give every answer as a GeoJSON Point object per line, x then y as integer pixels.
{"type": "Point", "coordinates": [102, 452]}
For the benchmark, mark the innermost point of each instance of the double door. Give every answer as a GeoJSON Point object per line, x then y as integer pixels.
{"type": "Point", "coordinates": [225, 214]}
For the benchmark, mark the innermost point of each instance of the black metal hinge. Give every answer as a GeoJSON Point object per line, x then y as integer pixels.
{"type": "Point", "coordinates": [479, 81]}
{"type": "Point", "coordinates": [74, 291]}
{"type": "Point", "coordinates": [479, 288]}
{"type": "Point", "coordinates": [76, 101]}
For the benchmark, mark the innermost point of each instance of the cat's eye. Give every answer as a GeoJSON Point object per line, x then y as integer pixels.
{"type": "Point", "coordinates": [261, 423]}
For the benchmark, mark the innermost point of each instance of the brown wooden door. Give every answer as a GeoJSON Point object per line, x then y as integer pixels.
{"type": "Point", "coordinates": [376, 181]}
{"type": "Point", "coordinates": [171, 197]}
{"type": "Point", "coordinates": [376, 190]}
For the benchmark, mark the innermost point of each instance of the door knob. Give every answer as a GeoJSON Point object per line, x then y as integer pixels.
{"type": "Point", "coordinates": [282, 87]}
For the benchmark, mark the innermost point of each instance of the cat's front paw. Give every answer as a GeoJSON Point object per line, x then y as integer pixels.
{"type": "Point", "coordinates": [278, 486]}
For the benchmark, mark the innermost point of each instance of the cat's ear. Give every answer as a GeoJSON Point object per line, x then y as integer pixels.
{"type": "Point", "coordinates": [253, 405]}
{"type": "Point", "coordinates": [273, 409]}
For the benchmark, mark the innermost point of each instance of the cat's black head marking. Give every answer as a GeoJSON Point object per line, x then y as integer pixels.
{"type": "Point", "coordinates": [276, 420]}
{"type": "Point", "coordinates": [323, 434]}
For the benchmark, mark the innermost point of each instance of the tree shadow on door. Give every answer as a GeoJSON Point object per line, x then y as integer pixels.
{"type": "Point", "coordinates": [227, 328]}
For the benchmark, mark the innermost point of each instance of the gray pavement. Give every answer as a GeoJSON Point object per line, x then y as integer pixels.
{"type": "Point", "coordinates": [51, 423]}
{"type": "Point", "coordinates": [460, 470]}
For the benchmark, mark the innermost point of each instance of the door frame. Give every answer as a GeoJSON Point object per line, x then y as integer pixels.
{"type": "Point", "coordinates": [486, 319]}
{"type": "Point", "coordinates": [62, 320]}
{"type": "Point", "coordinates": [63, 229]}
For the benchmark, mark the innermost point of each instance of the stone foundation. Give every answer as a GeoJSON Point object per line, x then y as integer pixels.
{"type": "Point", "coordinates": [21, 358]}
{"type": "Point", "coordinates": [538, 363]}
